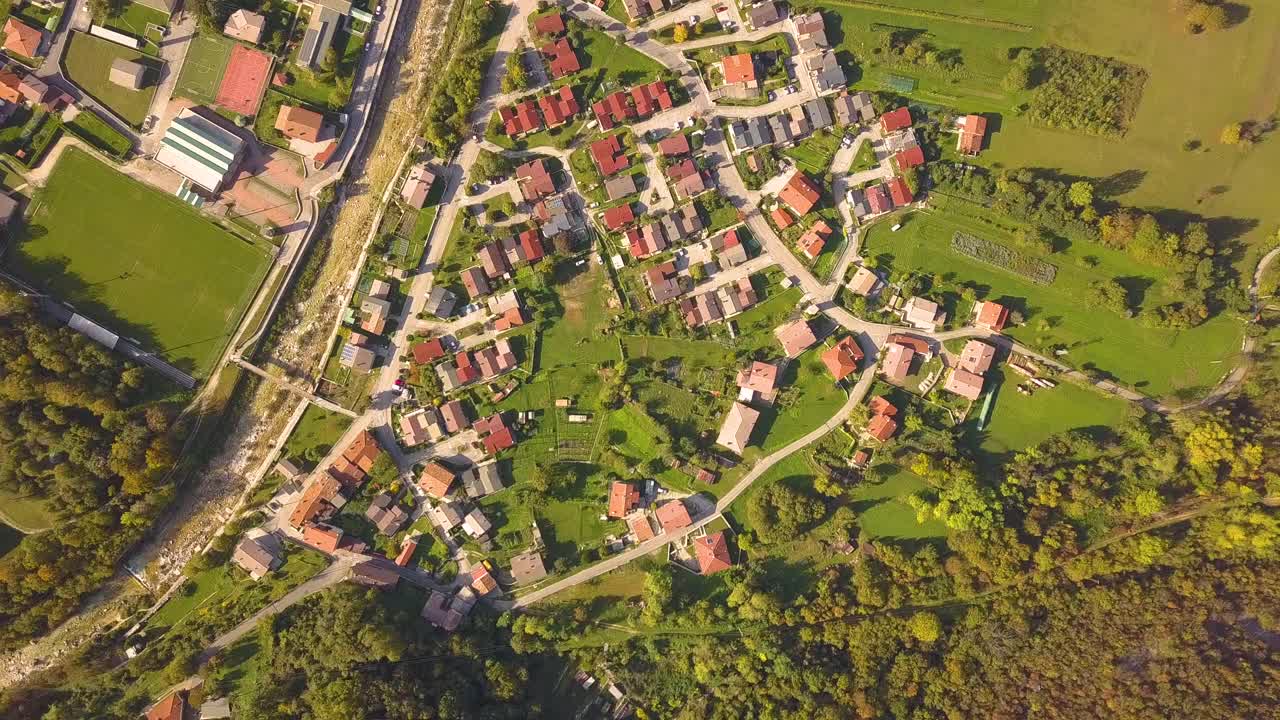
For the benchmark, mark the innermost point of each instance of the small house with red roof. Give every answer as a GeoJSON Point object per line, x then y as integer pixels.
{"type": "Point", "coordinates": [623, 498]}
{"type": "Point", "coordinates": [559, 107]}
{"type": "Point", "coordinates": [812, 242]}
{"type": "Point", "coordinates": [989, 315]}
{"type": "Point", "coordinates": [712, 553]}
{"type": "Point", "coordinates": [973, 130]}
{"type": "Point", "coordinates": [781, 218]}
{"type": "Point", "coordinates": [425, 351]}
{"type": "Point", "coordinates": [561, 59]}
{"type": "Point", "coordinates": [608, 155]}
{"type": "Point", "coordinates": [674, 145]}
{"type": "Point", "coordinates": [842, 358]}
{"type": "Point", "coordinates": [650, 98]}
{"type": "Point", "coordinates": [494, 433]}
{"type": "Point", "coordinates": [899, 192]}
{"type": "Point", "coordinates": [895, 120]}
{"type": "Point", "coordinates": [323, 537]}
{"type": "Point", "coordinates": [550, 24]}
{"type": "Point", "coordinates": [740, 72]}
{"type": "Point", "coordinates": [619, 216]}
{"type": "Point", "coordinates": [615, 109]}
{"type": "Point", "coordinates": [674, 516]}
{"type": "Point", "coordinates": [640, 527]}
{"type": "Point", "coordinates": [800, 193]}
{"type": "Point", "coordinates": [520, 119]}
{"type": "Point", "coordinates": [171, 707]}
{"type": "Point", "coordinates": [795, 337]}
{"type": "Point", "coordinates": [909, 157]}
{"type": "Point", "coordinates": [535, 180]}
{"type": "Point", "coordinates": [22, 39]}
{"type": "Point", "coordinates": [878, 200]}
{"type": "Point", "coordinates": [882, 427]}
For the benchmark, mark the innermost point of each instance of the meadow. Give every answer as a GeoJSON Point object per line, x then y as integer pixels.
{"type": "Point", "coordinates": [88, 61]}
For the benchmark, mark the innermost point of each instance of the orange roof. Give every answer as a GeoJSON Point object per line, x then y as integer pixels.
{"type": "Point", "coordinates": [800, 194]}
{"type": "Point", "coordinates": [992, 316]}
{"type": "Point", "coordinates": [880, 406]}
{"type": "Point", "coordinates": [739, 69]}
{"type": "Point", "coordinates": [712, 553]}
{"type": "Point", "coordinates": [639, 525]}
{"type": "Point", "coordinates": [882, 427]}
{"type": "Point", "coordinates": [324, 537]}
{"type": "Point", "coordinates": [674, 516]}
{"type": "Point", "coordinates": [406, 552]}
{"type": "Point", "coordinates": [795, 337]}
{"type": "Point", "coordinates": [170, 708]}
{"type": "Point", "coordinates": [842, 359]}
{"type": "Point", "coordinates": [623, 497]}
{"type": "Point", "coordinates": [298, 122]}
{"type": "Point", "coordinates": [782, 218]}
{"type": "Point", "coordinates": [22, 39]}
{"type": "Point", "coordinates": [972, 131]}
{"type": "Point", "coordinates": [435, 479]}
{"type": "Point", "coordinates": [363, 451]}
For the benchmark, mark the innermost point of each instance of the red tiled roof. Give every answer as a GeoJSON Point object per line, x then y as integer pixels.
{"type": "Point", "coordinates": [712, 553]}
{"type": "Point", "coordinates": [800, 194]}
{"type": "Point", "coordinates": [520, 118]}
{"type": "Point", "coordinates": [22, 39]}
{"type": "Point", "coordinates": [323, 537]}
{"type": "Point", "coordinates": [623, 498]}
{"type": "Point", "coordinates": [682, 169]}
{"type": "Point", "coordinates": [618, 216]}
{"type": "Point", "coordinates": [559, 106]}
{"type": "Point", "coordinates": [613, 110]}
{"type": "Point", "coordinates": [499, 441]}
{"type": "Point", "coordinates": [992, 316]}
{"type": "Point", "coordinates": [674, 145]}
{"type": "Point", "coordinates": [909, 158]}
{"type": "Point", "coordinates": [608, 155]}
{"type": "Point", "coordinates": [812, 242]}
{"type": "Point", "coordinates": [882, 427]}
{"type": "Point", "coordinates": [878, 200]}
{"type": "Point", "coordinates": [436, 479]}
{"type": "Point", "coordinates": [881, 406]}
{"type": "Point", "coordinates": [549, 24]}
{"type": "Point", "coordinates": [406, 552]}
{"type": "Point", "coordinates": [531, 243]}
{"type": "Point", "coordinates": [795, 337]}
{"type": "Point", "coordinates": [899, 192]}
{"type": "Point", "coordinates": [639, 525]}
{"type": "Point", "coordinates": [842, 358]}
{"type": "Point", "coordinates": [673, 516]}
{"type": "Point", "coordinates": [896, 119]}
{"type": "Point", "coordinates": [427, 350]}
{"type": "Point", "coordinates": [170, 708]}
{"type": "Point", "coordinates": [651, 97]}
{"type": "Point", "coordinates": [739, 69]}
{"type": "Point", "coordinates": [561, 59]}
{"type": "Point", "coordinates": [971, 134]}
{"type": "Point", "coordinates": [782, 218]}
{"type": "Point", "coordinates": [535, 180]}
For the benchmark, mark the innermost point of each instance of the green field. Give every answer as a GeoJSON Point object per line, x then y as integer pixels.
{"type": "Point", "coordinates": [88, 61]}
{"type": "Point", "coordinates": [884, 513]}
{"type": "Point", "coordinates": [95, 131]}
{"type": "Point", "coordinates": [202, 70]}
{"type": "Point", "coordinates": [315, 434]}
{"type": "Point", "coordinates": [28, 514]}
{"type": "Point", "coordinates": [1156, 361]}
{"type": "Point", "coordinates": [138, 260]}
{"type": "Point", "coordinates": [614, 65]}
{"type": "Point", "coordinates": [1019, 421]}
{"type": "Point", "coordinates": [135, 19]}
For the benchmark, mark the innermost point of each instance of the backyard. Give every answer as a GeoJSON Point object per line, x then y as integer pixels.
{"type": "Point", "coordinates": [140, 261]}
{"type": "Point", "coordinates": [315, 434]}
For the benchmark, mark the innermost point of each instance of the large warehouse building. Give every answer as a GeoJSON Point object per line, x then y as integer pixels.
{"type": "Point", "coordinates": [200, 150]}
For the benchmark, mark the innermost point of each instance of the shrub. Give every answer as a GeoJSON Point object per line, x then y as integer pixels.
{"type": "Point", "coordinates": [994, 253]}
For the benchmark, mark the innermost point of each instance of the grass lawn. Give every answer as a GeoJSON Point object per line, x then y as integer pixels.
{"type": "Point", "coordinates": [1019, 421]}
{"type": "Point", "coordinates": [134, 19]}
{"type": "Point", "coordinates": [88, 61]}
{"type": "Point", "coordinates": [808, 398]}
{"type": "Point", "coordinates": [95, 131]}
{"type": "Point", "coordinates": [315, 433]}
{"type": "Point", "coordinates": [313, 89]}
{"type": "Point", "coordinates": [1157, 361]}
{"type": "Point", "coordinates": [865, 159]}
{"type": "Point", "coordinates": [26, 513]}
{"type": "Point", "coordinates": [202, 70]}
{"type": "Point", "coordinates": [815, 153]}
{"type": "Point", "coordinates": [884, 513]}
{"type": "Point", "coordinates": [612, 64]}
{"type": "Point", "coordinates": [138, 260]}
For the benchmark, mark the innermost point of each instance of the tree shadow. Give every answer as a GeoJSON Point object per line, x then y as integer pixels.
{"type": "Point", "coordinates": [1121, 183]}
{"type": "Point", "coordinates": [1135, 288]}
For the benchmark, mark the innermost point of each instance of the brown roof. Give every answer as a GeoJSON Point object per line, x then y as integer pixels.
{"type": "Point", "coordinates": [299, 122]}
{"type": "Point", "coordinates": [964, 383]}
{"type": "Point", "coordinates": [759, 377]}
{"type": "Point", "coordinates": [455, 416]}
{"type": "Point", "coordinates": [800, 194]}
{"type": "Point", "coordinates": [673, 516]}
{"type": "Point", "coordinates": [22, 39]}
{"type": "Point", "coordinates": [712, 553]}
{"type": "Point", "coordinates": [796, 337]}
{"type": "Point", "coordinates": [977, 356]}
{"type": "Point", "coordinates": [674, 145]}
{"type": "Point", "coordinates": [842, 358]}
{"type": "Point", "coordinates": [992, 316]}
{"type": "Point", "coordinates": [436, 479]}
{"type": "Point", "coordinates": [623, 497]}
{"type": "Point", "coordinates": [363, 451]}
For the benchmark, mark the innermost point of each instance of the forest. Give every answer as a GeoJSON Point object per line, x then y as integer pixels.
{"type": "Point", "coordinates": [1076, 91]}
{"type": "Point", "coordinates": [79, 430]}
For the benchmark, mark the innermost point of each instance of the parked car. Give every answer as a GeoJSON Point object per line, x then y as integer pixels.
{"type": "Point", "coordinates": [772, 95]}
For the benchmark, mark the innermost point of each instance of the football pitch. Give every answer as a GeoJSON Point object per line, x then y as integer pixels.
{"type": "Point", "coordinates": [203, 68]}
{"type": "Point", "coordinates": [138, 261]}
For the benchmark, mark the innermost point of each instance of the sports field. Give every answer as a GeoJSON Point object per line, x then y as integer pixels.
{"type": "Point", "coordinates": [88, 61]}
{"type": "Point", "coordinates": [244, 80]}
{"type": "Point", "coordinates": [203, 69]}
{"type": "Point", "coordinates": [139, 261]}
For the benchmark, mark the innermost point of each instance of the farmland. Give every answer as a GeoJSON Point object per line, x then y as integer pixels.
{"type": "Point", "coordinates": [139, 261]}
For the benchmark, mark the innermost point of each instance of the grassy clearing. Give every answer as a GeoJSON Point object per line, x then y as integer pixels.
{"type": "Point", "coordinates": [884, 513]}
{"type": "Point", "coordinates": [1019, 421]}
{"type": "Point", "coordinates": [815, 153]}
{"type": "Point", "coordinates": [88, 61]}
{"type": "Point", "coordinates": [139, 260]}
{"type": "Point", "coordinates": [1157, 361]}
{"type": "Point", "coordinates": [315, 433]}
{"type": "Point", "coordinates": [27, 513]}
{"type": "Point", "coordinates": [611, 64]}
{"type": "Point", "coordinates": [134, 19]}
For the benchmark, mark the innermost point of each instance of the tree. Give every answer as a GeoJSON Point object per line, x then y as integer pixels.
{"type": "Point", "coordinates": [1081, 193]}
{"type": "Point", "coordinates": [925, 626]}
{"type": "Point", "coordinates": [1204, 16]}
{"type": "Point", "coordinates": [657, 593]}
{"type": "Point", "coordinates": [1231, 134]}
{"type": "Point", "coordinates": [680, 32]}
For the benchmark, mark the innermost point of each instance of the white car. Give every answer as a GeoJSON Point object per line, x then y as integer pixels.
{"type": "Point", "coordinates": [693, 19]}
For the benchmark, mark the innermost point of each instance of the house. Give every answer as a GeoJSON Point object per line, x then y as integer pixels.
{"type": "Point", "coordinates": [615, 109]}
{"type": "Point", "coordinates": [899, 192]}
{"type": "Point", "coordinates": [895, 120]}
{"type": "Point", "coordinates": [736, 297]}
{"type": "Point", "coordinates": [918, 344]}
{"type": "Point", "coordinates": [561, 59]}
{"type": "Point", "coordinates": [897, 361]}
{"type": "Point", "coordinates": [494, 433]}
{"type": "Point", "coordinates": [454, 416]}
{"type": "Point", "coordinates": [781, 129]}
{"type": "Point", "coordinates": [550, 24]}
{"type": "Point", "coordinates": [797, 122]}
{"type": "Point", "coordinates": [973, 130]}
{"type": "Point", "coordinates": [857, 107]}
{"type": "Point", "coordinates": [445, 516]}
{"type": "Point", "coordinates": [757, 378]}
{"type": "Point", "coordinates": [289, 471]}
{"type": "Point", "coordinates": [417, 185]}
{"type": "Point", "coordinates": [641, 528]}
{"type": "Point", "coordinates": [964, 383]}
{"type": "Point", "coordinates": [258, 553]}
{"type": "Point", "coordinates": [922, 313]}
{"type": "Point", "coordinates": [814, 239]}
{"type": "Point", "coordinates": [811, 31]}
{"type": "Point", "coordinates": [764, 14]}
{"type": "Point", "coordinates": [436, 479]}
{"type": "Point", "coordinates": [321, 497]}
{"type": "Point", "coordinates": [386, 514]}
{"type": "Point", "coordinates": [219, 709]}
{"type": "Point", "coordinates": [700, 310]}
{"type": "Point", "coordinates": [527, 568]}
{"type": "Point", "coordinates": [481, 480]}
{"type": "Point", "coordinates": [842, 358]}
{"type": "Point", "coordinates": [828, 76]}
{"type": "Point", "coordinates": [172, 707]}
{"type": "Point", "coordinates": [425, 351]}
{"type": "Point", "coordinates": [750, 133]}
{"type": "Point", "coordinates": [378, 573]}
{"type": "Point", "coordinates": [22, 39]}
{"type": "Point", "coordinates": [991, 316]}
{"type": "Point", "coordinates": [729, 249]}
{"type": "Point", "coordinates": [878, 201]}
{"type": "Point", "coordinates": [682, 224]}
{"type": "Point", "coordinates": [376, 310]}
{"type": "Point", "coordinates": [691, 186]}
{"type": "Point", "coordinates": [200, 150]}
{"type": "Point", "coordinates": [496, 359]}
{"type": "Point", "coordinates": [651, 97]}
{"type": "Point", "coordinates": [674, 516]}
{"type": "Point", "coordinates": [476, 524]}
{"type": "Point", "coordinates": [646, 240]}
{"type": "Point", "coordinates": [520, 119]}
{"type": "Point", "coordinates": [420, 426]}
{"type": "Point", "coordinates": [323, 537]}
{"type": "Point", "coordinates": [781, 218]}
{"type": "Point", "coordinates": [356, 356]}
{"type": "Point", "coordinates": [909, 157]}
{"type": "Point", "coordinates": [865, 282]}
{"type": "Point", "coordinates": [439, 302]}
{"type": "Point", "coordinates": [558, 107]}
{"type": "Point", "coordinates": [620, 186]}
{"type": "Point", "coordinates": [735, 433]}
{"type": "Point", "coordinates": [246, 26]}
{"type": "Point", "coordinates": [8, 208]}
{"type": "Point", "coordinates": [739, 73]}
{"type": "Point", "coordinates": [683, 169]}
{"type": "Point", "coordinates": [535, 180]}
{"type": "Point", "coordinates": [445, 613]}
{"type": "Point", "coordinates": [881, 427]}
{"type": "Point", "coordinates": [623, 498]}
{"type": "Point", "coordinates": [664, 282]}
{"type": "Point", "coordinates": [795, 337]}
{"type": "Point", "coordinates": [127, 74]}
{"type": "Point", "coordinates": [325, 20]}
{"type": "Point", "coordinates": [482, 581]}
{"type": "Point", "coordinates": [493, 260]}
{"type": "Point", "coordinates": [819, 114]}
{"type": "Point", "coordinates": [977, 357]}
{"type": "Point", "coordinates": [800, 193]}
{"type": "Point", "coordinates": [712, 553]}
{"type": "Point", "coordinates": [608, 155]}
{"type": "Point", "coordinates": [555, 217]}
{"type": "Point", "coordinates": [674, 145]}
{"type": "Point", "coordinates": [407, 549]}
